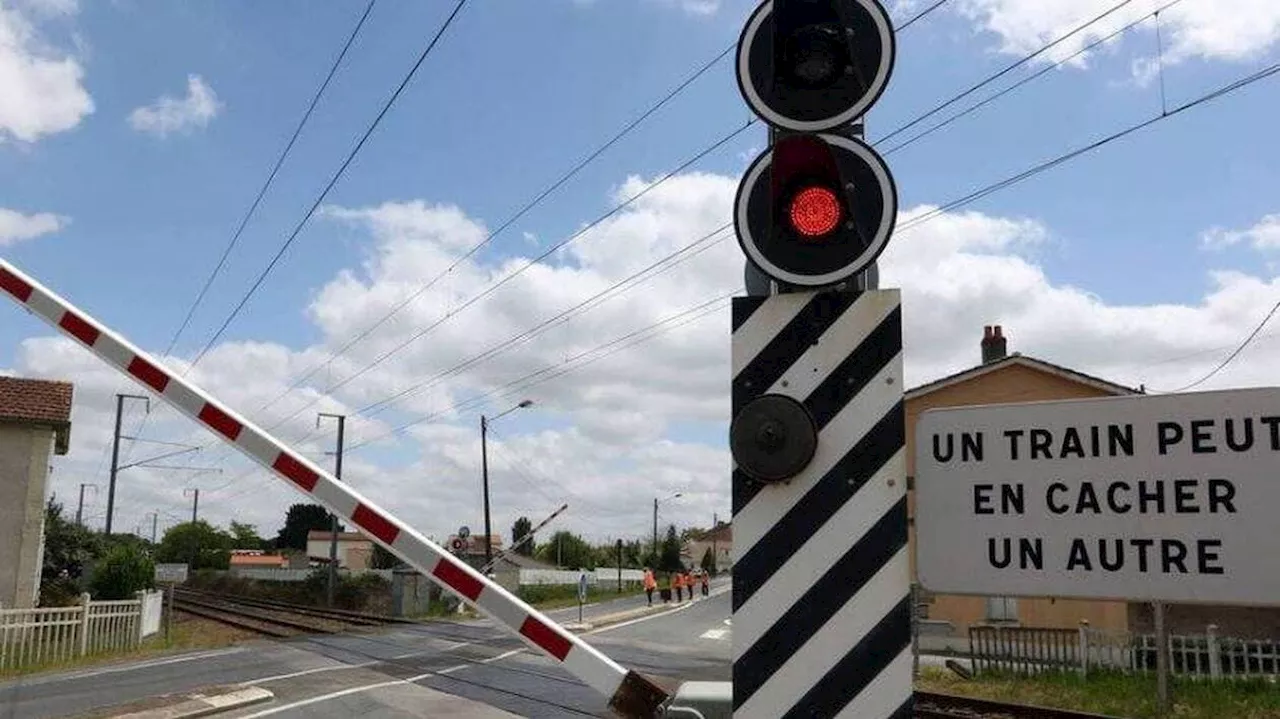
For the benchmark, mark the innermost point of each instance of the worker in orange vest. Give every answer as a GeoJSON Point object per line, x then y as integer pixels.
{"type": "Point", "coordinates": [677, 582]}
{"type": "Point", "coordinates": [650, 584]}
{"type": "Point", "coordinates": [706, 583]}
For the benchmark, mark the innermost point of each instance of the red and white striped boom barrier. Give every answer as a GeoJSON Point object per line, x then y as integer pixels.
{"type": "Point", "coordinates": [629, 694]}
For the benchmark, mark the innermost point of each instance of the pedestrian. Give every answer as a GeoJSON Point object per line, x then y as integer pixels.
{"type": "Point", "coordinates": [650, 584]}
{"type": "Point", "coordinates": [688, 583]}
{"type": "Point", "coordinates": [706, 583]}
{"type": "Point", "coordinates": [677, 581]}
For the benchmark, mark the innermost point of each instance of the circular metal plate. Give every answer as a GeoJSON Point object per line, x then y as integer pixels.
{"type": "Point", "coordinates": [773, 438]}
{"type": "Point", "coordinates": [792, 107]}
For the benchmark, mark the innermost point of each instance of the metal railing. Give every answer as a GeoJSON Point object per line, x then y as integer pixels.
{"type": "Point", "coordinates": [1027, 650]}
{"type": "Point", "coordinates": [53, 635]}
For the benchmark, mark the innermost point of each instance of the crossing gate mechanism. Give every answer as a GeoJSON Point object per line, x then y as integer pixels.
{"type": "Point", "coordinates": [821, 583]}
{"type": "Point", "coordinates": [629, 694]}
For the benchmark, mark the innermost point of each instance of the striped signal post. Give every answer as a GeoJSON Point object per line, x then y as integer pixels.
{"type": "Point", "coordinates": [629, 694]}
{"type": "Point", "coordinates": [821, 583]}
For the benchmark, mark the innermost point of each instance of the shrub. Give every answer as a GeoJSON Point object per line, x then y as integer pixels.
{"type": "Point", "coordinates": [122, 572]}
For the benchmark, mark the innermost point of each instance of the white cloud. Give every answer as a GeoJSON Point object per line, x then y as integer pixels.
{"type": "Point", "coordinates": [609, 440]}
{"type": "Point", "coordinates": [43, 91]}
{"type": "Point", "coordinates": [16, 227]}
{"type": "Point", "coordinates": [1204, 29]}
{"type": "Point", "coordinates": [696, 7]}
{"type": "Point", "coordinates": [1263, 236]}
{"type": "Point", "coordinates": [170, 114]}
{"type": "Point", "coordinates": [51, 7]}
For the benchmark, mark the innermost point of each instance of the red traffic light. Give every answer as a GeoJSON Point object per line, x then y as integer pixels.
{"type": "Point", "coordinates": [815, 212]}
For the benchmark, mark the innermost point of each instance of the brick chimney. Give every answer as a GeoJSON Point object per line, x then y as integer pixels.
{"type": "Point", "coordinates": [994, 345]}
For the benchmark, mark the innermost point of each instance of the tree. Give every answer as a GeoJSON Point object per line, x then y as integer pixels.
{"type": "Point", "coordinates": [199, 544]}
{"type": "Point", "coordinates": [301, 519]}
{"type": "Point", "coordinates": [245, 536]}
{"type": "Point", "coordinates": [669, 552]}
{"type": "Point", "coordinates": [69, 550]}
{"type": "Point", "coordinates": [709, 561]}
{"type": "Point", "coordinates": [124, 570]}
{"type": "Point", "coordinates": [519, 530]}
{"type": "Point", "coordinates": [569, 549]}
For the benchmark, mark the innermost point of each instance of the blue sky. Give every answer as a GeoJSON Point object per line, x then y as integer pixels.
{"type": "Point", "coordinates": [517, 92]}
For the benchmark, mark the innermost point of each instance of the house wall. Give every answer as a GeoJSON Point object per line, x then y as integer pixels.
{"type": "Point", "coordinates": [24, 468]}
{"type": "Point", "coordinates": [1009, 384]}
{"type": "Point", "coordinates": [723, 554]}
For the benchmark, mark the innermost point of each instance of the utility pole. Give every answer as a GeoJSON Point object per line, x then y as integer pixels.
{"type": "Point", "coordinates": [333, 518]}
{"type": "Point", "coordinates": [677, 495]}
{"type": "Point", "coordinates": [155, 522]}
{"type": "Point", "coordinates": [195, 503]}
{"type": "Point", "coordinates": [80, 506]}
{"type": "Point", "coordinates": [115, 454]}
{"type": "Point", "coordinates": [715, 555]}
{"type": "Point", "coordinates": [484, 480]}
{"type": "Point", "coordinates": [484, 474]}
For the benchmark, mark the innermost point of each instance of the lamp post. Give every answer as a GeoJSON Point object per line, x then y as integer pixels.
{"type": "Point", "coordinates": [484, 473]}
{"type": "Point", "coordinates": [677, 495]}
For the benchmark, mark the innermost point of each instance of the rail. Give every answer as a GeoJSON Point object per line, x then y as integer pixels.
{"type": "Point", "coordinates": [929, 705]}
{"type": "Point", "coordinates": [628, 693]}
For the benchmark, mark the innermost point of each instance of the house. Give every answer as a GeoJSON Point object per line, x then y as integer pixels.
{"type": "Point", "coordinates": [355, 551]}
{"type": "Point", "coordinates": [719, 540]}
{"type": "Point", "coordinates": [1001, 378]}
{"type": "Point", "coordinates": [474, 544]}
{"type": "Point", "coordinates": [256, 559]}
{"type": "Point", "coordinates": [35, 423]}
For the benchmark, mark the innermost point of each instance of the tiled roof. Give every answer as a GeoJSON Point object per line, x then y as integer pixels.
{"type": "Point", "coordinates": [38, 402]}
{"type": "Point", "coordinates": [35, 400]}
{"type": "Point", "coordinates": [1026, 361]}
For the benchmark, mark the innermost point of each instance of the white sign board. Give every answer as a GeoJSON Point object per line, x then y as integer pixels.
{"type": "Point", "coordinates": [1147, 498]}
{"type": "Point", "coordinates": [175, 573]}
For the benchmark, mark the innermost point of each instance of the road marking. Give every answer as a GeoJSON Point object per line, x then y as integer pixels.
{"type": "Point", "coordinates": [715, 633]}
{"type": "Point", "coordinates": [135, 667]}
{"type": "Point", "coordinates": [375, 685]}
{"type": "Point", "coordinates": [304, 672]}
{"type": "Point", "coordinates": [681, 608]}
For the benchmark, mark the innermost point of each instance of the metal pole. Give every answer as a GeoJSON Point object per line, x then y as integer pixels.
{"type": "Point", "coordinates": [1162, 661]}
{"type": "Point", "coordinates": [115, 464]}
{"type": "Point", "coordinates": [655, 530]}
{"type": "Point", "coordinates": [619, 566]}
{"type": "Point", "coordinates": [333, 518]}
{"type": "Point", "coordinates": [484, 474]}
{"type": "Point", "coordinates": [155, 520]}
{"type": "Point", "coordinates": [715, 553]}
{"type": "Point", "coordinates": [80, 506]}
{"type": "Point", "coordinates": [195, 505]}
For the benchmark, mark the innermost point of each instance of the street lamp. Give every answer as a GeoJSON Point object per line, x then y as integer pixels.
{"type": "Point", "coordinates": [677, 495]}
{"type": "Point", "coordinates": [484, 472]}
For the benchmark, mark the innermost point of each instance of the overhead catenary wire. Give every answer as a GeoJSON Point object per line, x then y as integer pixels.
{"type": "Point", "coordinates": [351, 156]}
{"type": "Point", "coordinates": [249, 213]}
{"type": "Point", "coordinates": [1234, 354]}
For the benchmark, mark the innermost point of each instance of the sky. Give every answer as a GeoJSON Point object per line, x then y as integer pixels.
{"type": "Point", "coordinates": [135, 135]}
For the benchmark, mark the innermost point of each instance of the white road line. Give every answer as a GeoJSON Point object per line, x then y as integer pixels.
{"type": "Point", "coordinates": [375, 685]}
{"type": "Point", "coordinates": [304, 672]}
{"type": "Point", "coordinates": [681, 608]}
{"type": "Point", "coordinates": [715, 633]}
{"type": "Point", "coordinates": [133, 667]}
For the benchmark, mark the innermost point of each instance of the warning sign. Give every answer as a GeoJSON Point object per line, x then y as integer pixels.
{"type": "Point", "coordinates": [1155, 498]}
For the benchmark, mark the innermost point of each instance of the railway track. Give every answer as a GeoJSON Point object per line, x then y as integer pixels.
{"type": "Point", "coordinates": [949, 706]}
{"type": "Point", "coordinates": [273, 619]}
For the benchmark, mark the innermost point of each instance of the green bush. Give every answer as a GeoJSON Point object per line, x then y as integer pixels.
{"type": "Point", "coordinates": [122, 572]}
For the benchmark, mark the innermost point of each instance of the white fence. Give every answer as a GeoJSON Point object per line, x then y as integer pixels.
{"type": "Point", "coordinates": [1032, 649]}
{"type": "Point", "coordinates": [56, 634]}
{"type": "Point", "coordinates": [602, 575]}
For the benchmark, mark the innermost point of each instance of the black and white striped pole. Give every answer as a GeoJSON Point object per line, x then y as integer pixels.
{"type": "Point", "coordinates": [821, 583]}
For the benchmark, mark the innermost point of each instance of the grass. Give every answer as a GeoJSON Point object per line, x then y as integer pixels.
{"type": "Point", "coordinates": [187, 634]}
{"type": "Point", "coordinates": [1116, 694]}
{"type": "Point", "coordinates": [555, 596]}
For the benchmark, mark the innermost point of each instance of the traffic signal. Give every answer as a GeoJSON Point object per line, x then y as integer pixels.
{"type": "Point", "coordinates": [818, 206]}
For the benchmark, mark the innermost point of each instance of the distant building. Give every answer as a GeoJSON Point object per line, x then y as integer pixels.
{"type": "Point", "coordinates": [355, 551]}
{"type": "Point", "coordinates": [719, 540]}
{"type": "Point", "coordinates": [35, 422]}
{"type": "Point", "coordinates": [475, 544]}
{"type": "Point", "coordinates": [246, 558]}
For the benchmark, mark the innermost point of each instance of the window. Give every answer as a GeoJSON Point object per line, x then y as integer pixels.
{"type": "Point", "coordinates": [1002, 609]}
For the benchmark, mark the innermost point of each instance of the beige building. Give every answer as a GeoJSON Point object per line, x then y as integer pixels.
{"type": "Point", "coordinates": [1003, 378]}
{"type": "Point", "coordinates": [355, 551]}
{"type": "Point", "coordinates": [35, 422]}
{"type": "Point", "coordinates": [719, 540]}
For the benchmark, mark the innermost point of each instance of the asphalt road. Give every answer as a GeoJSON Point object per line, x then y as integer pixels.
{"type": "Point", "coordinates": [470, 669]}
